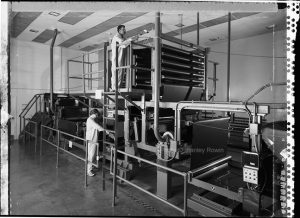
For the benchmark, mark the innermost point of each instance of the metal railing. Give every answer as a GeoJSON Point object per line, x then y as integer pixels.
{"type": "Point", "coordinates": [35, 134]}
{"type": "Point", "coordinates": [89, 75]}
{"type": "Point", "coordinates": [183, 174]}
{"type": "Point", "coordinates": [37, 101]}
{"type": "Point", "coordinates": [59, 134]}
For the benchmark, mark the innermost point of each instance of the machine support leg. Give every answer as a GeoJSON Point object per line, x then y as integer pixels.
{"type": "Point", "coordinates": [185, 212]}
{"type": "Point", "coordinates": [36, 137]}
{"type": "Point", "coordinates": [163, 181]}
{"type": "Point", "coordinates": [41, 141]}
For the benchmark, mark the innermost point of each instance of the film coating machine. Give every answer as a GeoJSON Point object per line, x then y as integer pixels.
{"type": "Point", "coordinates": [163, 109]}
{"type": "Point", "coordinates": [166, 112]}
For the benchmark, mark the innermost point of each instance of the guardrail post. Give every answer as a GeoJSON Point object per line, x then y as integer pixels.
{"type": "Point", "coordinates": [185, 212]}
{"type": "Point", "coordinates": [24, 138]}
{"type": "Point", "coordinates": [36, 136]}
{"type": "Point", "coordinates": [97, 158]}
{"type": "Point", "coordinates": [58, 139]}
{"type": "Point", "coordinates": [85, 163]}
{"type": "Point", "coordinates": [36, 106]}
{"type": "Point", "coordinates": [103, 170]}
{"type": "Point", "coordinates": [41, 140]}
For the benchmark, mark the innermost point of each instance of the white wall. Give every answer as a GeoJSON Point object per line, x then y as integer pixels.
{"type": "Point", "coordinates": [30, 73]}
{"type": "Point", "coordinates": [251, 68]}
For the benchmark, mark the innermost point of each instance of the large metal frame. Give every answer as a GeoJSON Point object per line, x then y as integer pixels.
{"type": "Point", "coordinates": [254, 111]}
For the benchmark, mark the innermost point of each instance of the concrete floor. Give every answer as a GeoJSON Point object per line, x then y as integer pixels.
{"type": "Point", "coordinates": [37, 187]}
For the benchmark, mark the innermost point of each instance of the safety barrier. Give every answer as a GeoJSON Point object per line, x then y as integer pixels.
{"type": "Point", "coordinates": [35, 135]}
{"type": "Point", "coordinates": [87, 76]}
{"type": "Point", "coordinates": [184, 175]}
{"type": "Point", "coordinates": [36, 100]}
{"type": "Point", "coordinates": [59, 133]}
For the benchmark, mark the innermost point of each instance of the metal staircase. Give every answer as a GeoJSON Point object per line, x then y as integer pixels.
{"type": "Point", "coordinates": [29, 114]}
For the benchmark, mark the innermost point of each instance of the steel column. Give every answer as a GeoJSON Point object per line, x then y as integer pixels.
{"type": "Point", "coordinates": [85, 163]}
{"type": "Point", "coordinates": [198, 27]}
{"type": "Point", "coordinates": [228, 58]}
{"type": "Point", "coordinates": [116, 136]}
{"type": "Point", "coordinates": [68, 75]}
{"type": "Point", "coordinates": [157, 75]}
{"type": "Point", "coordinates": [51, 69]}
{"type": "Point", "coordinates": [83, 74]}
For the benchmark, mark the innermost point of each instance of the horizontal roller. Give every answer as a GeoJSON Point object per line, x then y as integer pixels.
{"type": "Point", "coordinates": [183, 84]}
{"type": "Point", "coordinates": [180, 79]}
{"type": "Point", "coordinates": [186, 66]}
{"type": "Point", "coordinates": [178, 50]}
{"type": "Point", "coordinates": [199, 61]}
{"type": "Point", "coordinates": [142, 77]}
{"type": "Point", "coordinates": [183, 72]}
{"type": "Point", "coordinates": [188, 63]}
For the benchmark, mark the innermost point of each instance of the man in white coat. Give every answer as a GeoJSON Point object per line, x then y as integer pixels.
{"type": "Point", "coordinates": [92, 129]}
{"type": "Point", "coordinates": [120, 40]}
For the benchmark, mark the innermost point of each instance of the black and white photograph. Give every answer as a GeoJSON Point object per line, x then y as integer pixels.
{"type": "Point", "coordinates": [151, 108]}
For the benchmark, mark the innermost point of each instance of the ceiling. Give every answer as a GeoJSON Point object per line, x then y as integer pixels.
{"type": "Point", "coordinates": [88, 30]}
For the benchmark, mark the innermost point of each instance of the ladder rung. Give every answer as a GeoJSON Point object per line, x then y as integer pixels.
{"type": "Point", "coordinates": [109, 143]}
{"type": "Point", "coordinates": [109, 118]}
{"type": "Point", "coordinates": [109, 93]}
{"type": "Point", "coordinates": [107, 105]}
{"type": "Point", "coordinates": [109, 130]}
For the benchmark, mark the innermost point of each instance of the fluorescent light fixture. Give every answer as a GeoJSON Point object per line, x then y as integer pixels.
{"type": "Point", "coordinates": [179, 25]}
{"type": "Point", "coordinates": [53, 13]}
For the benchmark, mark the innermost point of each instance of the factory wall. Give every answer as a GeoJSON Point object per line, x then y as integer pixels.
{"type": "Point", "coordinates": [30, 74]}
{"type": "Point", "coordinates": [251, 68]}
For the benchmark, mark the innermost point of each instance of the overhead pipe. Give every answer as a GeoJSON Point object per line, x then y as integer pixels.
{"type": "Point", "coordinates": [51, 69]}
{"type": "Point", "coordinates": [228, 58]}
{"type": "Point", "coordinates": [157, 75]}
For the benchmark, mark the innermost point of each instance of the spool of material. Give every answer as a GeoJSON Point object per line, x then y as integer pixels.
{"type": "Point", "coordinates": [183, 72]}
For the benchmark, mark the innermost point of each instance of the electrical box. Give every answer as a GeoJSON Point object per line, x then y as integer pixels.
{"type": "Point", "coordinates": [250, 167]}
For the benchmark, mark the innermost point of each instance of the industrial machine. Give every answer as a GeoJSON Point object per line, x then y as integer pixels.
{"type": "Point", "coordinates": [163, 108]}
{"type": "Point", "coordinates": [164, 104]}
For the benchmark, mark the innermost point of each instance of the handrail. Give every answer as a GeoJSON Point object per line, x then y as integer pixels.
{"type": "Point", "coordinates": [35, 96]}
{"type": "Point", "coordinates": [92, 99]}
{"type": "Point", "coordinates": [183, 174]}
{"type": "Point", "coordinates": [59, 133]}
{"type": "Point", "coordinates": [78, 100]}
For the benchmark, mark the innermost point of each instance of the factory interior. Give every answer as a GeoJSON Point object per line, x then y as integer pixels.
{"type": "Point", "coordinates": [197, 125]}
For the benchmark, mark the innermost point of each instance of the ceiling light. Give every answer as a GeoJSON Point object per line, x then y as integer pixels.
{"type": "Point", "coordinates": [179, 25]}
{"type": "Point", "coordinates": [53, 13]}
{"type": "Point", "coordinates": [33, 30]}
